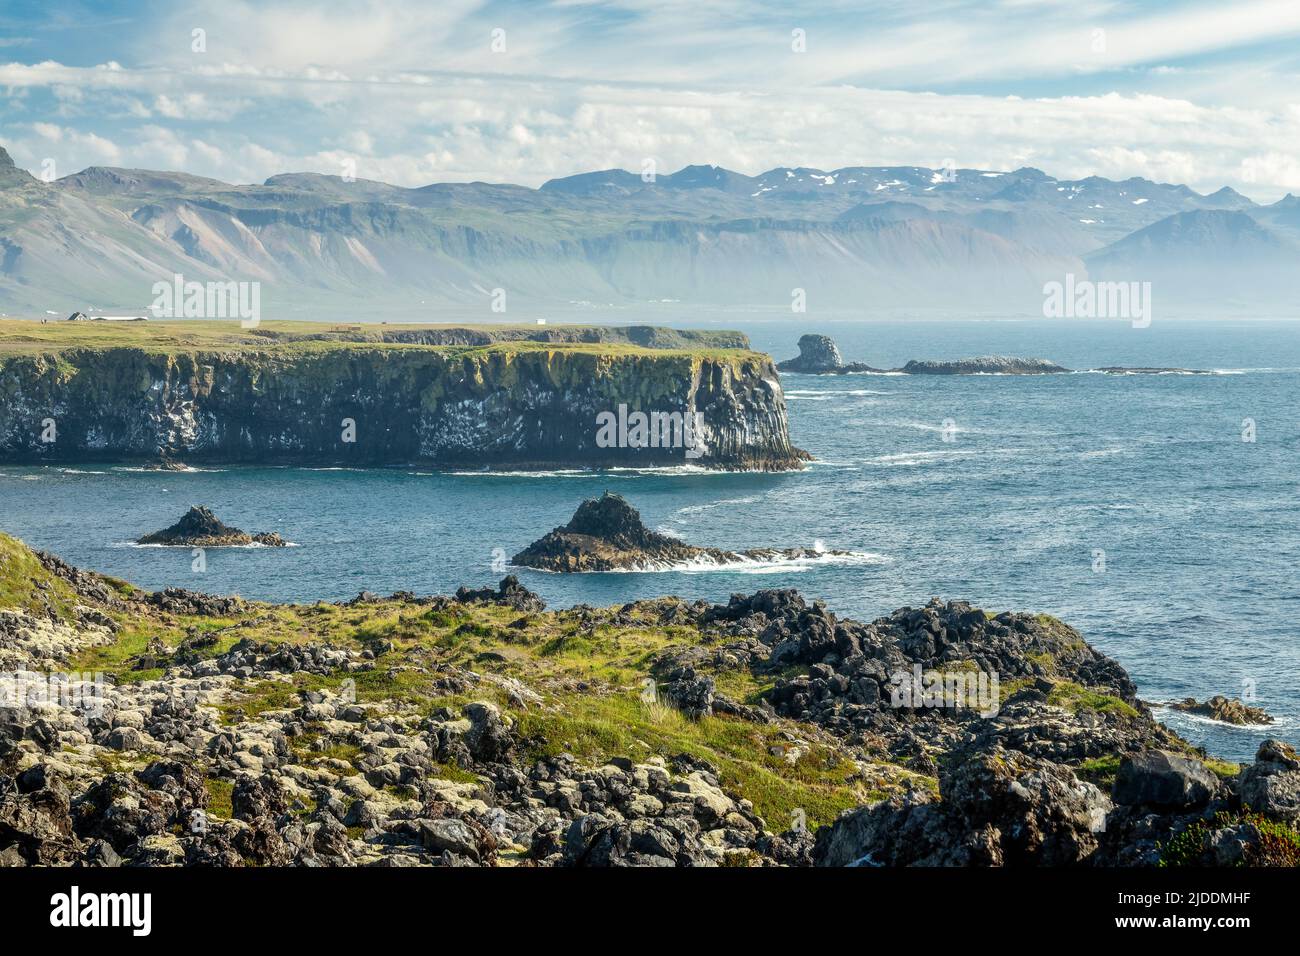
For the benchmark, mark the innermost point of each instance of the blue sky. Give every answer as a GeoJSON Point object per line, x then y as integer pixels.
{"type": "Point", "coordinates": [412, 92]}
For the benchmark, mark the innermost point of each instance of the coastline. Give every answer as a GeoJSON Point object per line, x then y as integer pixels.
{"type": "Point", "coordinates": [216, 395]}
{"type": "Point", "coordinates": [342, 734]}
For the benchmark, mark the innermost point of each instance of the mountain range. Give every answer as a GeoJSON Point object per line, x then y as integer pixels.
{"type": "Point", "coordinates": [858, 239]}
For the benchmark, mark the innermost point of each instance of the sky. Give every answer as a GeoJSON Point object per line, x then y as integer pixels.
{"type": "Point", "coordinates": [419, 91]}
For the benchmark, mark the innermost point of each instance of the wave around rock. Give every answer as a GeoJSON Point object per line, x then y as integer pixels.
{"type": "Point", "coordinates": [819, 355]}
{"type": "Point", "coordinates": [607, 534]}
{"type": "Point", "coordinates": [200, 528]}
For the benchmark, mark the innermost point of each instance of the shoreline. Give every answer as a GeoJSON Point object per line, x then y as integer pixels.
{"type": "Point", "coordinates": [344, 732]}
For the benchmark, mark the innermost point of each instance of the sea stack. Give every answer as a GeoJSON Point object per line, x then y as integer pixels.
{"type": "Point", "coordinates": [200, 528]}
{"type": "Point", "coordinates": [819, 355]}
{"type": "Point", "coordinates": [607, 534]}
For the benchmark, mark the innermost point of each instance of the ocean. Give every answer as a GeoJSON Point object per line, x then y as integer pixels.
{"type": "Point", "coordinates": [1128, 506]}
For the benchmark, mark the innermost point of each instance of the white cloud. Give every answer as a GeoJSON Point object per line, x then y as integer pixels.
{"type": "Point", "coordinates": [413, 90]}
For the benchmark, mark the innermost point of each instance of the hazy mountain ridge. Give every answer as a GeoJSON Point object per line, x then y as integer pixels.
{"type": "Point", "coordinates": [861, 238]}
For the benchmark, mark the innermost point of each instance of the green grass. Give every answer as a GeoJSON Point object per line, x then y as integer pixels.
{"type": "Point", "coordinates": [1100, 770]}
{"type": "Point", "coordinates": [294, 337]}
{"type": "Point", "coordinates": [304, 746]}
{"type": "Point", "coordinates": [1276, 844]}
{"type": "Point", "coordinates": [1044, 660]}
{"type": "Point", "coordinates": [399, 685]}
{"type": "Point", "coordinates": [597, 728]}
{"type": "Point", "coordinates": [262, 696]}
{"type": "Point", "coordinates": [116, 658]}
{"type": "Point", "coordinates": [26, 584]}
{"type": "Point", "coordinates": [219, 794]}
{"type": "Point", "coordinates": [1224, 769]}
{"type": "Point", "coordinates": [119, 658]}
{"type": "Point", "coordinates": [449, 771]}
{"type": "Point", "coordinates": [1075, 697]}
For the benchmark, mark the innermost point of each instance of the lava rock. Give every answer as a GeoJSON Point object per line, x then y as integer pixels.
{"type": "Point", "coordinates": [1229, 710]}
{"type": "Point", "coordinates": [1163, 781]}
{"type": "Point", "coordinates": [200, 528]}
{"type": "Point", "coordinates": [509, 593]}
{"type": "Point", "coordinates": [607, 534]}
{"type": "Point", "coordinates": [1271, 785]}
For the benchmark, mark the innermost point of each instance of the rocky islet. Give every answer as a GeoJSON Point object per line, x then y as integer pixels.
{"type": "Point", "coordinates": [607, 534]}
{"type": "Point", "coordinates": [819, 355]}
{"type": "Point", "coordinates": [200, 528]}
{"type": "Point", "coordinates": [1228, 710]}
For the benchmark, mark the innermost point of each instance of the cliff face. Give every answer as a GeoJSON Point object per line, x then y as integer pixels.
{"type": "Point", "coordinates": [379, 405]}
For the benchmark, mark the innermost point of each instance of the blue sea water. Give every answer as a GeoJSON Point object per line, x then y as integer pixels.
{"type": "Point", "coordinates": [1128, 506]}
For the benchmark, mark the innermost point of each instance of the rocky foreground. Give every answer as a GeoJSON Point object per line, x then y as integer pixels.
{"type": "Point", "coordinates": [483, 729]}
{"type": "Point", "coordinates": [607, 534]}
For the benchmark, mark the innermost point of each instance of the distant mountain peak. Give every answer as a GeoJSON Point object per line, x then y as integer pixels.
{"type": "Point", "coordinates": [10, 173]}
{"type": "Point", "coordinates": [1211, 233]}
{"type": "Point", "coordinates": [878, 237]}
{"type": "Point", "coordinates": [708, 177]}
{"type": "Point", "coordinates": [597, 183]}
{"type": "Point", "coordinates": [120, 179]}
{"type": "Point", "coordinates": [1229, 198]}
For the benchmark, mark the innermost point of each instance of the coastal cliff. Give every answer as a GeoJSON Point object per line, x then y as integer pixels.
{"type": "Point", "coordinates": [515, 404]}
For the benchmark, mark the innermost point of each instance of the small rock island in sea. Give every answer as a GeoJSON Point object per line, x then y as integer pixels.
{"type": "Point", "coordinates": [1228, 710]}
{"type": "Point", "coordinates": [200, 528]}
{"type": "Point", "coordinates": [819, 355]}
{"type": "Point", "coordinates": [985, 365]}
{"type": "Point", "coordinates": [607, 534]}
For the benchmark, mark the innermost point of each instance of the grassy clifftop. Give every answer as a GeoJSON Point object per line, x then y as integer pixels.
{"type": "Point", "coordinates": [455, 396]}
{"type": "Point", "coordinates": [24, 337]}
